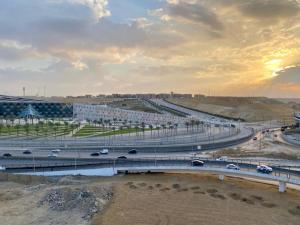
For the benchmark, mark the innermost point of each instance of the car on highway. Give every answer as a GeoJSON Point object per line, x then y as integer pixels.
{"type": "Point", "coordinates": [2, 168]}
{"type": "Point", "coordinates": [95, 154]}
{"type": "Point", "coordinates": [53, 155]}
{"type": "Point", "coordinates": [104, 151]}
{"type": "Point", "coordinates": [255, 138]}
{"type": "Point", "coordinates": [132, 151]}
{"type": "Point", "coordinates": [56, 151]}
{"type": "Point", "coordinates": [122, 157]}
{"type": "Point", "coordinates": [27, 152]}
{"type": "Point", "coordinates": [222, 159]}
{"type": "Point", "coordinates": [7, 155]}
{"type": "Point", "coordinates": [197, 163]}
{"type": "Point", "coordinates": [232, 167]}
{"type": "Point", "coordinates": [264, 169]}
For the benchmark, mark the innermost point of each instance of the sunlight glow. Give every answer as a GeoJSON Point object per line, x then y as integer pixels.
{"type": "Point", "coordinates": [274, 65]}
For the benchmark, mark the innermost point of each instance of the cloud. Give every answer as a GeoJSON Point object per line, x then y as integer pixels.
{"type": "Point", "coordinates": [270, 9]}
{"type": "Point", "coordinates": [184, 45]}
{"type": "Point", "coordinates": [194, 12]}
{"type": "Point", "coordinates": [288, 75]}
{"type": "Point", "coordinates": [98, 7]}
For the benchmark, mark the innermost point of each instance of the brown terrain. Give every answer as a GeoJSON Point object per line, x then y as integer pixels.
{"type": "Point", "coordinates": [269, 147]}
{"type": "Point", "coordinates": [161, 199]}
{"type": "Point", "coordinates": [251, 109]}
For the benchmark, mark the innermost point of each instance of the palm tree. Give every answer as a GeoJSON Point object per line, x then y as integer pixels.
{"type": "Point", "coordinates": [151, 129]}
{"type": "Point", "coordinates": [197, 124]}
{"type": "Point", "coordinates": [18, 126]}
{"type": "Point", "coordinates": [192, 123]}
{"type": "Point", "coordinates": [1, 128]}
{"type": "Point", "coordinates": [55, 131]}
{"type": "Point", "coordinates": [136, 130]}
{"type": "Point", "coordinates": [8, 127]}
{"type": "Point", "coordinates": [143, 129]}
{"type": "Point", "coordinates": [187, 124]}
{"type": "Point", "coordinates": [26, 126]}
{"type": "Point", "coordinates": [37, 129]}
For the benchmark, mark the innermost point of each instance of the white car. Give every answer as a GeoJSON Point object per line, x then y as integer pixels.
{"type": "Point", "coordinates": [2, 168]}
{"type": "Point", "coordinates": [52, 155]}
{"type": "Point", "coordinates": [56, 151]}
{"type": "Point", "coordinates": [264, 169]}
{"type": "Point", "coordinates": [104, 151]}
{"type": "Point", "coordinates": [232, 167]}
{"type": "Point", "coordinates": [222, 158]}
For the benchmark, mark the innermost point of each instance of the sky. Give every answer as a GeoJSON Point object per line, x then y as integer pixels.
{"type": "Point", "coordinates": [213, 47]}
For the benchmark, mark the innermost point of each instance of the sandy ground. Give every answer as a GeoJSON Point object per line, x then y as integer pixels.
{"type": "Point", "coordinates": [192, 199]}
{"type": "Point", "coordinates": [70, 202]}
{"type": "Point", "coordinates": [250, 109]}
{"type": "Point", "coordinates": [161, 199]}
{"type": "Point", "coordinates": [267, 145]}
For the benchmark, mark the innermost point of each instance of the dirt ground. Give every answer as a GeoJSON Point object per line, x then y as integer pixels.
{"type": "Point", "coordinates": [192, 199]}
{"type": "Point", "coordinates": [249, 109]}
{"type": "Point", "coordinates": [161, 199]}
{"type": "Point", "coordinates": [267, 146]}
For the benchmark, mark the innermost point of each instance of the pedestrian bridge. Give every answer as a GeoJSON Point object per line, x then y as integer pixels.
{"type": "Point", "coordinates": [282, 180]}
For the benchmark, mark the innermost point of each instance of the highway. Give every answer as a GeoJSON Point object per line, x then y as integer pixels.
{"type": "Point", "coordinates": [44, 164]}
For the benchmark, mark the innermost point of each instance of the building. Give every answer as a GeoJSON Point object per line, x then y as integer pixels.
{"type": "Point", "coordinates": [297, 119]}
{"type": "Point", "coordinates": [14, 107]}
{"type": "Point", "coordinates": [103, 112]}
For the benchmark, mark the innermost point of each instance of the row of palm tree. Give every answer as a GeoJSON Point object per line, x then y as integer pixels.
{"type": "Point", "coordinates": [40, 128]}
{"type": "Point", "coordinates": [168, 129]}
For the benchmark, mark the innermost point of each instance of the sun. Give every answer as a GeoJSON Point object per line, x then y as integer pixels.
{"type": "Point", "coordinates": [274, 66]}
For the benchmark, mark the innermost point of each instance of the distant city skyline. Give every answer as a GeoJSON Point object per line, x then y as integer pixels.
{"type": "Point", "coordinates": [211, 47]}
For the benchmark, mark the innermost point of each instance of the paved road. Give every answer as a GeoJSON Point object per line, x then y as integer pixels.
{"type": "Point", "coordinates": [44, 164]}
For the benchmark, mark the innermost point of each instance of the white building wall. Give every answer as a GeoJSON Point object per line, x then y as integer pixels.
{"type": "Point", "coordinates": [97, 112]}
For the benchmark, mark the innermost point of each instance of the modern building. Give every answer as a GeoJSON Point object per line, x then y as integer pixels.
{"type": "Point", "coordinates": [297, 119]}
{"type": "Point", "coordinates": [103, 112]}
{"type": "Point", "coordinates": [16, 107]}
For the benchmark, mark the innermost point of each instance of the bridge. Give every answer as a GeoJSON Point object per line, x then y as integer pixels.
{"type": "Point", "coordinates": [41, 166]}
{"type": "Point", "coordinates": [282, 180]}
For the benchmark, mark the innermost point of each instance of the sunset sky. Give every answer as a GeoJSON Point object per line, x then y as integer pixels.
{"type": "Point", "coordinates": [216, 47]}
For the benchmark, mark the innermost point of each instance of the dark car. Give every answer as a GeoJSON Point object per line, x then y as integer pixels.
{"type": "Point", "coordinates": [255, 138]}
{"type": "Point", "coordinates": [7, 155]}
{"type": "Point", "coordinates": [132, 151]}
{"type": "Point", "coordinates": [95, 154]}
{"type": "Point", "coordinates": [122, 157]}
{"type": "Point", "coordinates": [197, 163]}
{"type": "Point", "coordinates": [27, 152]}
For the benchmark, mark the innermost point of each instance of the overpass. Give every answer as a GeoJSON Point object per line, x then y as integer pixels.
{"type": "Point", "coordinates": [82, 166]}
{"type": "Point", "coordinates": [222, 172]}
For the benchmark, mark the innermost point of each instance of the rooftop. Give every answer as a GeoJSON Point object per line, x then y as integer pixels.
{"type": "Point", "coordinates": [5, 98]}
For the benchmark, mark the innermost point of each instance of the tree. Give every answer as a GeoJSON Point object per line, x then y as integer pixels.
{"type": "Point", "coordinates": [151, 129]}
{"type": "Point", "coordinates": [197, 124]}
{"type": "Point", "coordinates": [143, 129]}
{"type": "Point", "coordinates": [187, 124]}
{"type": "Point", "coordinates": [37, 129]}
{"type": "Point", "coordinates": [8, 127]}
{"type": "Point", "coordinates": [18, 126]}
{"type": "Point", "coordinates": [26, 126]}
{"type": "Point", "coordinates": [1, 128]}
